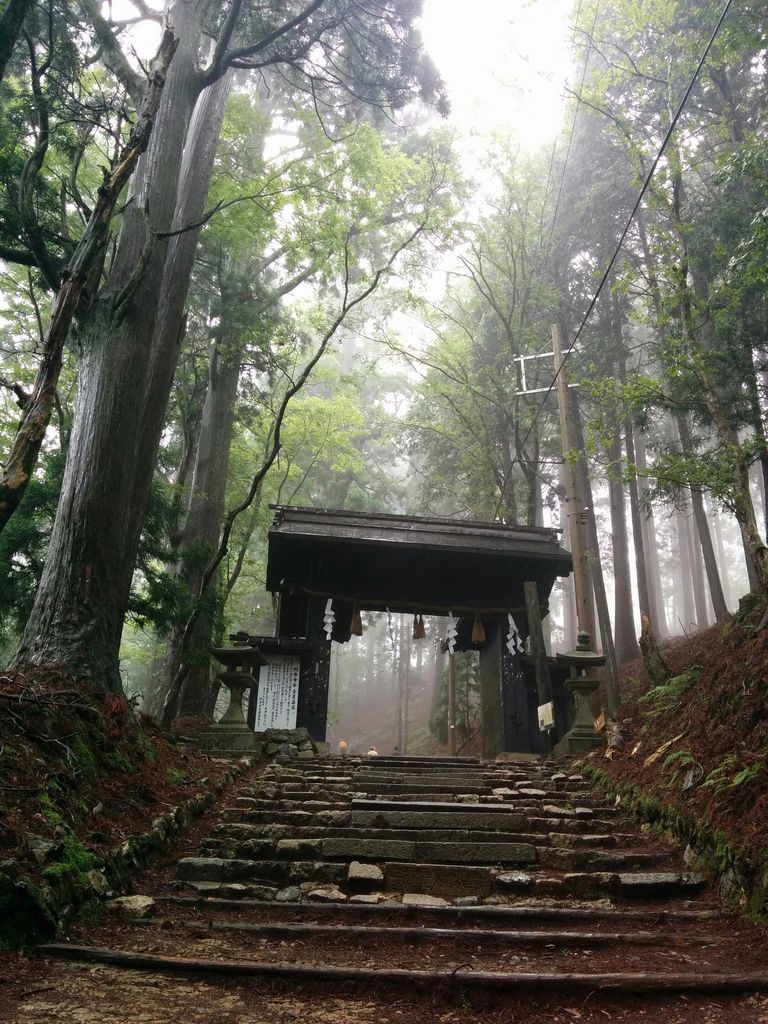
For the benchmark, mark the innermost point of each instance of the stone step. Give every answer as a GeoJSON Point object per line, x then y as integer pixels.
{"type": "Point", "coordinates": [467, 848]}
{"type": "Point", "coordinates": [498, 915]}
{"type": "Point", "coordinates": [243, 833]}
{"type": "Point", "coordinates": [422, 762]}
{"type": "Point", "coordinates": [449, 880]}
{"type": "Point", "coordinates": [567, 815]}
{"type": "Point", "coordinates": [392, 779]}
{"type": "Point", "coordinates": [446, 878]}
{"type": "Point", "coordinates": [452, 816]}
{"type": "Point", "coordinates": [273, 872]}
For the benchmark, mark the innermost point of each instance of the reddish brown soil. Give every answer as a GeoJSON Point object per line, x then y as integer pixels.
{"type": "Point", "coordinates": [718, 728]}
{"type": "Point", "coordinates": [71, 759]}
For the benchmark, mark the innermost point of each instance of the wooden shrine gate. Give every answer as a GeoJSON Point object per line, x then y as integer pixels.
{"type": "Point", "coordinates": [370, 561]}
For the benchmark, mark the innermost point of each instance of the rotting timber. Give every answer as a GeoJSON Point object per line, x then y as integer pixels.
{"type": "Point", "coordinates": [375, 562]}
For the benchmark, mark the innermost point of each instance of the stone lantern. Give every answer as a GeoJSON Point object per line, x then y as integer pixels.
{"type": "Point", "coordinates": [231, 734]}
{"type": "Point", "coordinates": [581, 736]}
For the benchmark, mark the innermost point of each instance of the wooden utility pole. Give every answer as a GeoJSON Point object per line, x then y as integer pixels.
{"type": "Point", "coordinates": [452, 704]}
{"type": "Point", "coordinates": [584, 539]}
{"type": "Point", "coordinates": [575, 501]}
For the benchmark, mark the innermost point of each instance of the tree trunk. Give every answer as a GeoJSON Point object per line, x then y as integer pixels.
{"type": "Point", "coordinates": [658, 615]}
{"type": "Point", "coordinates": [697, 575]}
{"type": "Point", "coordinates": [719, 606]}
{"type": "Point", "coordinates": [684, 595]}
{"type": "Point", "coordinates": [11, 20]}
{"type": "Point", "coordinates": [713, 515]}
{"type": "Point", "coordinates": [124, 386]}
{"type": "Point", "coordinates": [612, 691]}
{"type": "Point", "coordinates": [699, 337]}
{"type": "Point", "coordinates": [643, 594]}
{"type": "Point", "coordinates": [625, 637]}
{"type": "Point", "coordinates": [205, 512]}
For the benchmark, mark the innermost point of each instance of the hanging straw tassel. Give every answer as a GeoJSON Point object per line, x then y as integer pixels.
{"type": "Point", "coordinates": [478, 633]}
{"type": "Point", "coordinates": [356, 626]}
{"type": "Point", "coordinates": [418, 627]}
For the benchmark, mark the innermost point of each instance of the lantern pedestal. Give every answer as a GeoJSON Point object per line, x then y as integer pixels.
{"type": "Point", "coordinates": [581, 736]}
{"type": "Point", "coordinates": [231, 736]}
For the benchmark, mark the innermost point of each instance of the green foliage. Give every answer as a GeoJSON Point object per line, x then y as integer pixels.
{"type": "Point", "coordinates": [724, 779]}
{"type": "Point", "coordinates": [665, 698]}
{"type": "Point", "coordinates": [122, 763]}
{"type": "Point", "coordinates": [177, 777]}
{"type": "Point", "coordinates": [147, 748]}
{"type": "Point", "coordinates": [82, 757]}
{"type": "Point", "coordinates": [23, 545]}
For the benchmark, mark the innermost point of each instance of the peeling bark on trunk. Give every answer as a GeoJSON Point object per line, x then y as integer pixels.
{"type": "Point", "coordinates": [73, 293]}
{"type": "Point", "coordinates": [78, 614]}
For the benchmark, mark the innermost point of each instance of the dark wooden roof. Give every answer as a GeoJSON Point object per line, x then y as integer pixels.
{"type": "Point", "coordinates": [377, 559]}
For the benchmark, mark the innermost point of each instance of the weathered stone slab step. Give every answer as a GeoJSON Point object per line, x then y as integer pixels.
{"type": "Point", "coordinates": [426, 763]}
{"type": "Point", "coordinates": [464, 817]}
{"type": "Point", "coordinates": [456, 874]}
{"type": "Point", "coordinates": [440, 879]}
{"type": "Point", "coordinates": [239, 833]}
{"type": "Point", "coordinates": [593, 884]}
{"type": "Point", "coordinates": [416, 789]}
{"type": "Point", "coordinates": [258, 851]}
{"type": "Point", "coordinates": [602, 860]}
{"type": "Point", "coordinates": [283, 872]}
{"type": "Point", "coordinates": [499, 915]}
{"type": "Point", "coordinates": [457, 847]}
{"type": "Point", "coordinates": [570, 831]}
{"type": "Point", "coordinates": [445, 853]}
{"type": "Point", "coordinates": [391, 779]}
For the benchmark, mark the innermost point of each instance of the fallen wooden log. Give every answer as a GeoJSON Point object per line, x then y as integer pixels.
{"type": "Point", "coordinates": [506, 936]}
{"type": "Point", "coordinates": [462, 977]}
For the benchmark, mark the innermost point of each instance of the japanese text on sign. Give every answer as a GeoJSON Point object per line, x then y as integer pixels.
{"type": "Point", "coordinates": [278, 695]}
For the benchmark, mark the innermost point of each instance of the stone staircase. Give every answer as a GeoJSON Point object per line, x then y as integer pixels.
{"type": "Point", "coordinates": [406, 870]}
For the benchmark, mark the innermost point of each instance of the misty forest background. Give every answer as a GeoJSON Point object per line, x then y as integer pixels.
{"type": "Point", "coordinates": [315, 291]}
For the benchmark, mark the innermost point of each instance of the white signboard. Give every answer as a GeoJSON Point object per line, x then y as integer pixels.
{"type": "Point", "coordinates": [546, 716]}
{"type": "Point", "coordinates": [278, 695]}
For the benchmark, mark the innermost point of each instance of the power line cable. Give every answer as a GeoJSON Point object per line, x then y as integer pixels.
{"type": "Point", "coordinates": [630, 219]}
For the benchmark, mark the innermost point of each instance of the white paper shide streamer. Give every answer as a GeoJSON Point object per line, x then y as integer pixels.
{"type": "Point", "coordinates": [514, 641]}
{"type": "Point", "coordinates": [452, 632]}
{"type": "Point", "coordinates": [329, 618]}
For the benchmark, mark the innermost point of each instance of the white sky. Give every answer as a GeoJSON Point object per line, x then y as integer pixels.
{"type": "Point", "coordinates": [504, 63]}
